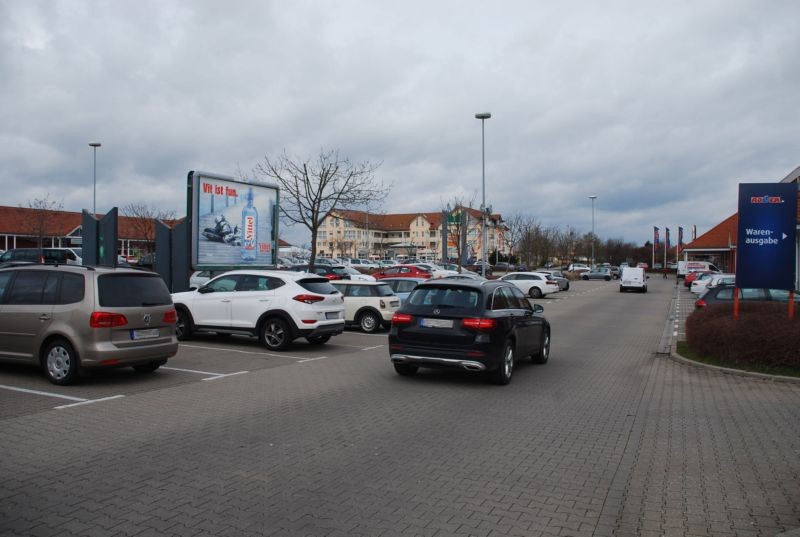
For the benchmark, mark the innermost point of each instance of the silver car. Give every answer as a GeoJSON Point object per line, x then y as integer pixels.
{"type": "Point", "coordinates": [70, 318]}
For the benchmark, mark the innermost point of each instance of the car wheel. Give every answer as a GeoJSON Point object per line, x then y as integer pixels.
{"type": "Point", "coordinates": [406, 370]}
{"type": "Point", "coordinates": [275, 334]}
{"type": "Point", "coordinates": [535, 292]}
{"type": "Point", "coordinates": [566, 288]}
{"type": "Point", "coordinates": [319, 340]}
{"type": "Point", "coordinates": [60, 363]}
{"type": "Point", "coordinates": [584, 277]}
{"type": "Point", "coordinates": [544, 350]}
{"type": "Point", "coordinates": [502, 375]}
{"type": "Point", "coordinates": [644, 289]}
{"type": "Point", "coordinates": [369, 322]}
{"type": "Point", "coordinates": [183, 328]}
{"type": "Point", "coordinates": [607, 278]}
{"type": "Point", "coordinates": [147, 368]}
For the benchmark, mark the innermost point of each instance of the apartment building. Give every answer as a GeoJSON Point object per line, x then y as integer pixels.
{"type": "Point", "coordinates": [347, 233]}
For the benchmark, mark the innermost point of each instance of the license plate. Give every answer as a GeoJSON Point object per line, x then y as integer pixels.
{"type": "Point", "coordinates": [332, 315]}
{"type": "Point", "coordinates": [147, 333]}
{"type": "Point", "coordinates": [437, 323]}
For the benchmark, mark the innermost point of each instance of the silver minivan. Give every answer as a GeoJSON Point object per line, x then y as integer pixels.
{"type": "Point", "coordinates": [69, 318]}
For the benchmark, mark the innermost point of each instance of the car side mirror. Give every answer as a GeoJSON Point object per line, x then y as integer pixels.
{"type": "Point", "coordinates": [205, 289]}
{"type": "Point", "coordinates": [538, 308]}
{"type": "Point", "coordinates": [648, 277]}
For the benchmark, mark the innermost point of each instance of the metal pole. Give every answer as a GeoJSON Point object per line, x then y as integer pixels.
{"type": "Point", "coordinates": [94, 146]}
{"type": "Point", "coordinates": [483, 116]}
{"type": "Point", "coordinates": [592, 198]}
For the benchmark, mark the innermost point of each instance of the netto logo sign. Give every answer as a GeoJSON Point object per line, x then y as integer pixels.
{"type": "Point", "coordinates": [766, 199]}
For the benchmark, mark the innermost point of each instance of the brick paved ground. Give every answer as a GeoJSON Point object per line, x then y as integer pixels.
{"type": "Point", "coordinates": [606, 439]}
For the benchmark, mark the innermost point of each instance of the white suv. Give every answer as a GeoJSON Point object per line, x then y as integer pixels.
{"type": "Point", "coordinates": [369, 305]}
{"type": "Point", "coordinates": [275, 306]}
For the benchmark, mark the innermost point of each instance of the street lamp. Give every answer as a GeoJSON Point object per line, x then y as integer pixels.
{"type": "Point", "coordinates": [592, 198]}
{"type": "Point", "coordinates": [94, 145]}
{"type": "Point", "coordinates": [483, 116]}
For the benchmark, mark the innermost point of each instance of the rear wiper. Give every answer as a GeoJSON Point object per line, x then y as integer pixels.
{"type": "Point", "coordinates": [145, 304]}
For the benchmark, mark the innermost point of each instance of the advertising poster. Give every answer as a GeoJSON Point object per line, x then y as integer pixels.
{"type": "Point", "coordinates": [232, 222]}
{"type": "Point", "coordinates": [765, 249]}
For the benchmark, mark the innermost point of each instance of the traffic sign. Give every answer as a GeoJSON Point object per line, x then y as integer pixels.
{"type": "Point", "coordinates": [765, 247]}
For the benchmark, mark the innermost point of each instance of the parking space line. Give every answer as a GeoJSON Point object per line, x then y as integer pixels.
{"type": "Point", "coordinates": [311, 359]}
{"type": "Point", "coordinates": [214, 376]}
{"type": "Point", "coordinates": [226, 375]}
{"type": "Point", "coordinates": [46, 394]}
{"type": "Point", "coordinates": [89, 402]}
{"type": "Point", "coordinates": [228, 350]}
{"type": "Point", "coordinates": [372, 348]}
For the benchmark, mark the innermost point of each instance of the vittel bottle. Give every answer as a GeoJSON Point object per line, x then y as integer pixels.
{"type": "Point", "coordinates": [249, 229]}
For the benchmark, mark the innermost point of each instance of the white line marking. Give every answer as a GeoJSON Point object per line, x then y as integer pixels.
{"type": "Point", "coordinates": [47, 394]}
{"type": "Point", "coordinates": [226, 375]}
{"type": "Point", "coordinates": [371, 348]}
{"type": "Point", "coordinates": [224, 349]}
{"type": "Point", "coordinates": [311, 359]}
{"type": "Point", "coordinates": [89, 402]}
{"type": "Point", "coordinates": [193, 371]}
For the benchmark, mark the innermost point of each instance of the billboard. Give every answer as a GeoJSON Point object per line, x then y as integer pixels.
{"type": "Point", "coordinates": [765, 249]}
{"type": "Point", "coordinates": [233, 222]}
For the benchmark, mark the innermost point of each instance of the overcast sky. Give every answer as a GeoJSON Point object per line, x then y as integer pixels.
{"type": "Point", "coordinates": [658, 108]}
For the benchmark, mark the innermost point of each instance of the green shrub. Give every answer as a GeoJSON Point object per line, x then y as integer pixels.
{"type": "Point", "coordinates": [763, 334]}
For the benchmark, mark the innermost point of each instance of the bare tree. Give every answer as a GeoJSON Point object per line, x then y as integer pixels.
{"type": "Point", "coordinates": [311, 189]}
{"type": "Point", "coordinates": [40, 221]}
{"type": "Point", "coordinates": [457, 225]}
{"type": "Point", "coordinates": [142, 219]}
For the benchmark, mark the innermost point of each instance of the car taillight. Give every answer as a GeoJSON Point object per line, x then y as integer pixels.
{"type": "Point", "coordinates": [309, 299]}
{"type": "Point", "coordinates": [103, 319]}
{"type": "Point", "coordinates": [170, 316]}
{"type": "Point", "coordinates": [479, 324]}
{"type": "Point", "coordinates": [402, 318]}
{"type": "Point", "coordinates": [700, 303]}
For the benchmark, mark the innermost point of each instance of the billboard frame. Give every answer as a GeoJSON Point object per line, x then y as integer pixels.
{"type": "Point", "coordinates": [226, 248]}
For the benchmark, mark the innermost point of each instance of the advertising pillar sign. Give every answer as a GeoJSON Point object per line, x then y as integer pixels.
{"type": "Point", "coordinates": [765, 247]}
{"type": "Point", "coordinates": [233, 222]}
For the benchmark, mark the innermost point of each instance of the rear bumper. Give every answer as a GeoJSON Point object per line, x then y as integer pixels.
{"type": "Point", "coordinates": [429, 361]}
{"type": "Point", "coordinates": [326, 329]}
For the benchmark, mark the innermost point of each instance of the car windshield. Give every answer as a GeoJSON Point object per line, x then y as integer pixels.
{"type": "Point", "coordinates": [457, 298]}
{"type": "Point", "coordinates": [132, 290]}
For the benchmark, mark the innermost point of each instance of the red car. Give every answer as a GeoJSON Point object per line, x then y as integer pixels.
{"type": "Point", "coordinates": [409, 271]}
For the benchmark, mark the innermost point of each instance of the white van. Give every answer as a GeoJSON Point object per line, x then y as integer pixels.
{"type": "Point", "coordinates": [633, 278]}
{"type": "Point", "coordinates": [685, 267]}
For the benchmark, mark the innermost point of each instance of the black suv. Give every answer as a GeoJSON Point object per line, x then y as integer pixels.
{"type": "Point", "coordinates": [468, 325]}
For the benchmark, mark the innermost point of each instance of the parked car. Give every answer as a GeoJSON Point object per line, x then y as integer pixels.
{"type": "Point", "coordinates": [369, 305]}
{"type": "Point", "coordinates": [360, 263]}
{"type": "Point", "coordinates": [710, 279]}
{"type": "Point", "coordinates": [331, 272]}
{"type": "Point", "coordinates": [602, 273]}
{"type": "Point", "coordinates": [468, 325]}
{"type": "Point", "coordinates": [503, 266]}
{"type": "Point", "coordinates": [533, 284]}
{"type": "Point", "coordinates": [578, 267]}
{"type": "Point", "coordinates": [464, 275]}
{"type": "Point", "coordinates": [275, 306]}
{"type": "Point", "coordinates": [201, 277]}
{"type": "Point", "coordinates": [402, 287]}
{"type": "Point", "coordinates": [725, 293]}
{"type": "Point", "coordinates": [61, 256]}
{"type": "Point", "coordinates": [557, 276]}
{"type": "Point", "coordinates": [477, 267]}
{"type": "Point", "coordinates": [68, 319]}
{"type": "Point", "coordinates": [692, 276]}
{"type": "Point", "coordinates": [407, 271]}
{"type": "Point", "coordinates": [615, 272]}
{"type": "Point", "coordinates": [357, 274]}
{"type": "Point", "coordinates": [435, 270]}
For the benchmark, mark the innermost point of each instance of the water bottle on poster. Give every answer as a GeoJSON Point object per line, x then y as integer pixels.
{"type": "Point", "coordinates": [249, 229]}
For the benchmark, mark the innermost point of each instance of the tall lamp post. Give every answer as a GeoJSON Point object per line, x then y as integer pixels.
{"type": "Point", "coordinates": [483, 116]}
{"type": "Point", "coordinates": [94, 145]}
{"type": "Point", "coordinates": [592, 198]}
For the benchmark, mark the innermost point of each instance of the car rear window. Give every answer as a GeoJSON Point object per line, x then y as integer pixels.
{"type": "Point", "coordinates": [456, 298]}
{"type": "Point", "coordinates": [132, 290]}
{"type": "Point", "coordinates": [384, 290]}
{"type": "Point", "coordinates": [321, 286]}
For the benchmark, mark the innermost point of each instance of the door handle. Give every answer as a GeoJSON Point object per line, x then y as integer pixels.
{"type": "Point", "coordinates": [44, 317]}
{"type": "Point", "coordinates": [225, 300]}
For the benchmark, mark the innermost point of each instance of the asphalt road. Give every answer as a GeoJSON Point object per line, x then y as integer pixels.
{"type": "Point", "coordinates": [608, 438]}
